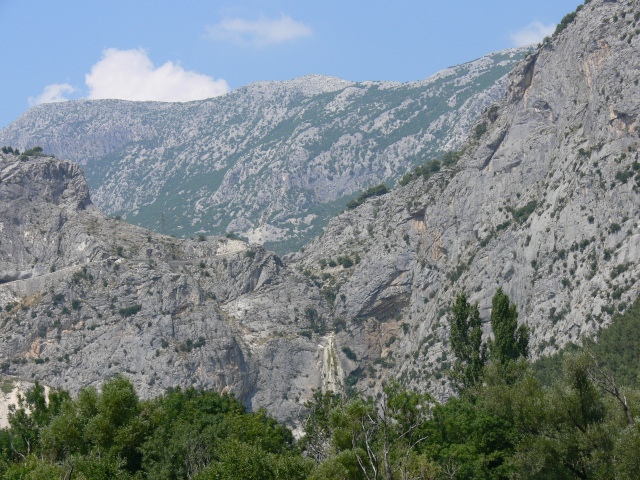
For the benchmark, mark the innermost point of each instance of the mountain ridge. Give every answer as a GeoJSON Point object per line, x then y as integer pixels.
{"type": "Point", "coordinates": [543, 201]}
{"type": "Point", "coordinates": [272, 161]}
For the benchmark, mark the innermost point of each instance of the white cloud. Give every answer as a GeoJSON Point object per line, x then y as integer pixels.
{"type": "Point", "coordinates": [261, 32]}
{"type": "Point", "coordinates": [130, 75]}
{"type": "Point", "coordinates": [532, 33]}
{"type": "Point", "coordinates": [52, 93]}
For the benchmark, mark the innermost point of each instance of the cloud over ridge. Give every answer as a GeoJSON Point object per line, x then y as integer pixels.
{"type": "Point", "coordinates": [130, 75]}
{"type": "Point", "coordinates": [261, 32]}
{"type": "Point", "coordinates": [532, 33]}
{"type": "Point", "coordinates": [52, 93]}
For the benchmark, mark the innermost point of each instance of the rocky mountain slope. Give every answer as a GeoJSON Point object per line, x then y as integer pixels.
{"type": "Point", "coordinates": [273, 160]}
{"type": "Point", "coordinates": [85, 297]}
{"type": "Point", "coordinates": [546, 204]}
{"type": "Point", "coordinates": [544, 201]}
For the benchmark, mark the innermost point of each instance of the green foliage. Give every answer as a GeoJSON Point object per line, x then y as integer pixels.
{"type": "Point", "coordinates": [345, 261]}
{"type": "Point", "coordinates": [31, 152]}
{"type": "Point", "coordinates": [617, 349]}
{"type": "Point", "coordinates": [522, 214]}
{"type": "Point", "coordinates": [566, 20]}
{"type": "Point", "coordinates": [425, 171]}
{"type": "Point", "coordinates": [466, 343]}
{"type": "Point", "coordinates": [359, 438]}
{"type": "Point", "coordinates": [571, 428]}
{"type": "Point", "coordinates": [510, 340]}
{"type": "Point", "coordinates": [375, 191]}
{"type": "Point", "coordinates": [130, 311]}
{"type": "Point", "coordinates": [479, 130]}
{"type": "Point", "coordinates": [350, 354]}
{"type": "Point", "coordinates": [111, 434]}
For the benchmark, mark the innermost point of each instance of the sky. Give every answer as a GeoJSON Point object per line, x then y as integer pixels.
{"type": "Point", "coordinates": [55, 50]}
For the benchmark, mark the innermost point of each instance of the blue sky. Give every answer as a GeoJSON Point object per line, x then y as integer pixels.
{"type": "Point", "coordinates": [174, 51]}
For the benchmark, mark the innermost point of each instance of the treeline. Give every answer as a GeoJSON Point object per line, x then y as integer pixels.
{"type": "Point", "coordinates": [428, 169]}
{"type": "Point", "coordinates": [10, 150]}
{"type": "Point", "coordinates": [370, 192]}
{"type": "Point", "coordinates": [504, 423]}
{"type": "Point", "coordinates": [30, 152]}
{"type": "Point", "coordinates": [112, 434]}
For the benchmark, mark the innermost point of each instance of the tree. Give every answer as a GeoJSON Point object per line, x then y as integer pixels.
{"type": "Point", "coordinates": [381, 437]}
{"type": "Point", "coordinates": [572, 428]}
{"type": "Point", "coordinates": [510, 341]}
{"type": "Point", "coordinates": [317, 440]}
{"type": "Point", "coordinates": [466, 343]}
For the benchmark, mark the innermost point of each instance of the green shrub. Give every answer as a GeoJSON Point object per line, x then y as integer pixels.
{"type": "Point", "coordinates": [349, 353]}
{"type": "Point", "coordinates": [345, 261]}
{"type": "Point", "coordinates": [566, 20]}
{"type": "Point", "coordinates": [375, 191]}
{"type": "Point", "coordinates": [130, 311]}
{"type": "Point", "coordinates": [522, 214]}
{"type": "Point", "coordinates": [480, 130]}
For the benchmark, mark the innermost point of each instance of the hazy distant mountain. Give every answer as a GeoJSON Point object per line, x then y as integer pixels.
{"type": "Point", "coordinates": [272, 161]}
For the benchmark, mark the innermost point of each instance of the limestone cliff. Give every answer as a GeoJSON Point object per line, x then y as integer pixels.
{"type": "Point", "coordinates": [85, 297]}
{"type": "Point", "coordinates": [544, 202]}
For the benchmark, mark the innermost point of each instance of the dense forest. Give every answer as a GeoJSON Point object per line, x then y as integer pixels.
{"type": "Point", "coordinates": [561, 417]}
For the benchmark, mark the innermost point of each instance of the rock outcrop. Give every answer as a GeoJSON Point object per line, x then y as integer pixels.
{"type": "Point", "coordinates": [85, 297]}
{"type": "Point", "coordinates": [545, 204]}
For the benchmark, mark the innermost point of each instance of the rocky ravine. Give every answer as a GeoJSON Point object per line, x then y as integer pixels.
{"type": "Point", "coordinates": [272, 160]}
{"type": "Point", "coordinates": [545, 204]}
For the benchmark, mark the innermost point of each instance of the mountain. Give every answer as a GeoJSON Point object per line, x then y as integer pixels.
{"type": "Point", "coordinates": [542, 200]}
{"type": "Point", "coordinates": [544, 203]}
{"type": "Point", "coordinates": [272, 161]}
{"type": "Point", "coordinates": [85, 296]}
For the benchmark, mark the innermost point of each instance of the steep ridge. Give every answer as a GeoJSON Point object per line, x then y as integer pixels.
{"type": "Point", "coordinates": [545, 204]}
{"type": "Point", "coordinates": [85, 297]}
{"type": "Point", "coordinates": [272, 160]}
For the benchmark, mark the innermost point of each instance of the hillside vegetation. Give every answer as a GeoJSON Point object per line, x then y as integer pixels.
{"type": "Point", "coordinates": [504, 423]}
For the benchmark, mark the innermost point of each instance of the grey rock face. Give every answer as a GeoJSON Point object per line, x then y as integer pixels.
{"type": "Point", "coordinates": [546, 204]}
{"type": "Point", "coordinates": [85, 297]}
{"type": "Point", "coordinates": [273, 160]}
